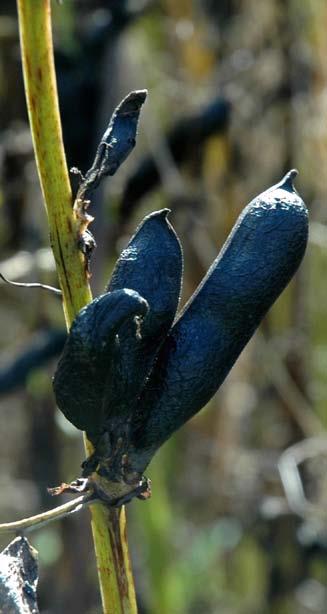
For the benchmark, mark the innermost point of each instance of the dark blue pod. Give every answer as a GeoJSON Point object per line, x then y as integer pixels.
{"type": "Point", "coordinates": [151, 264]}
{"type": "Point", "coordinates": [86, 377]}
{"type": "Point", "coordinates": [257, 261]}
{"type": "Point", "coordinates": [117, 142]}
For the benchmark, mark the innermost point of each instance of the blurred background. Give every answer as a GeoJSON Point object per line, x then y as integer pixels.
{"type": "Point", "coordinates": [237, 96]}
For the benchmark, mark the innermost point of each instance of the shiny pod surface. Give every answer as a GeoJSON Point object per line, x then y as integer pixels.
{"type": "Point", "coordinates": [151, 264]}
{"type": "Point", "coordinates": [257, 261]}
{"type": "Point", "coordinates": [88, 371]}
{"type": "Point", "coordinates": [117, 142]}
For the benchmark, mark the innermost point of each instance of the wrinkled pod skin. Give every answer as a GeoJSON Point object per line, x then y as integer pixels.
{"type": "Point", "coordinates": [117, 142]}
{"type": "Point", "coordinates": [152, 265]}
{"type": "Point", "coordinates": [84, 385]}
{"type": "Point", "coordinates": [130, 378]}
{"type": "Point", "coordinates": [109, 355]}
{"type": "Point", "coordinates": [256, 263]}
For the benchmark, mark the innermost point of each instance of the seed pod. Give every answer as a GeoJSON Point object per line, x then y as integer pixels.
{"type": "Point", "coordinates": [86, 376]}
{"type": "Point", "coordinates": [257, 261]}
{"type": "Point", "coordinates": [151, 264]}
{"type": "Point", "coordinates": [117, 142]}
{"type": "Point", "coordinates": [108, 355]}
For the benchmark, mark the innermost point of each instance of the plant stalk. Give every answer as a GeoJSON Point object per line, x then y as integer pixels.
{"type": "Point", "coordinates": [108, 526]}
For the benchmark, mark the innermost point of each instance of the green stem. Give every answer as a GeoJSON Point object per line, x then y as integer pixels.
{"type": "Point", "coordinates": [108, 526]}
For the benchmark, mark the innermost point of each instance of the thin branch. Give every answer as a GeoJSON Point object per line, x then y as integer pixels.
{"type": "Point", "coordinates": [39, 520]}
{"type": "Point", "coordinates": [31, 285]}
{"type": "Point", "coordinates": [92, 493]}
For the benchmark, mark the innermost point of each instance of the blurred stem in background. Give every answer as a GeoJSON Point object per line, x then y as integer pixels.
{"type": "Point", "coordinates": [109, 528]}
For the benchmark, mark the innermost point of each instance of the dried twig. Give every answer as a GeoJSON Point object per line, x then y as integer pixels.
{"type": "Point", "coordinates": [35, 522]}
{"type": "Point", "coordinates": [31, 285]}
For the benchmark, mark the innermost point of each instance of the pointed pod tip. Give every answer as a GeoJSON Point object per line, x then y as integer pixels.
{"type": "Point", "coordinates": [140, 94]}
{"type": "Point", "coordinates": [287, 182]}
{"type": "Point", "coordinates": [133, 102]}
{"type": "Point", "coordinates": [136, 96]}
{"type": "Point", "coordinates": [162, 214]}
{"type": "Point", "coordinates": [158, 221]}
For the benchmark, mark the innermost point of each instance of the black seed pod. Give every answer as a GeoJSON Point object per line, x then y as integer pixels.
{"type": "Point", "coordinates": [117, 142]}
{"type": "Point", "coordinates": [86, 377]}
{"type": "Point", "coordinates": [109, 353]}
{"type": "Point", "coordinates": [152, 264]}
{"type": "Point", "coordinates": [257, 261]}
